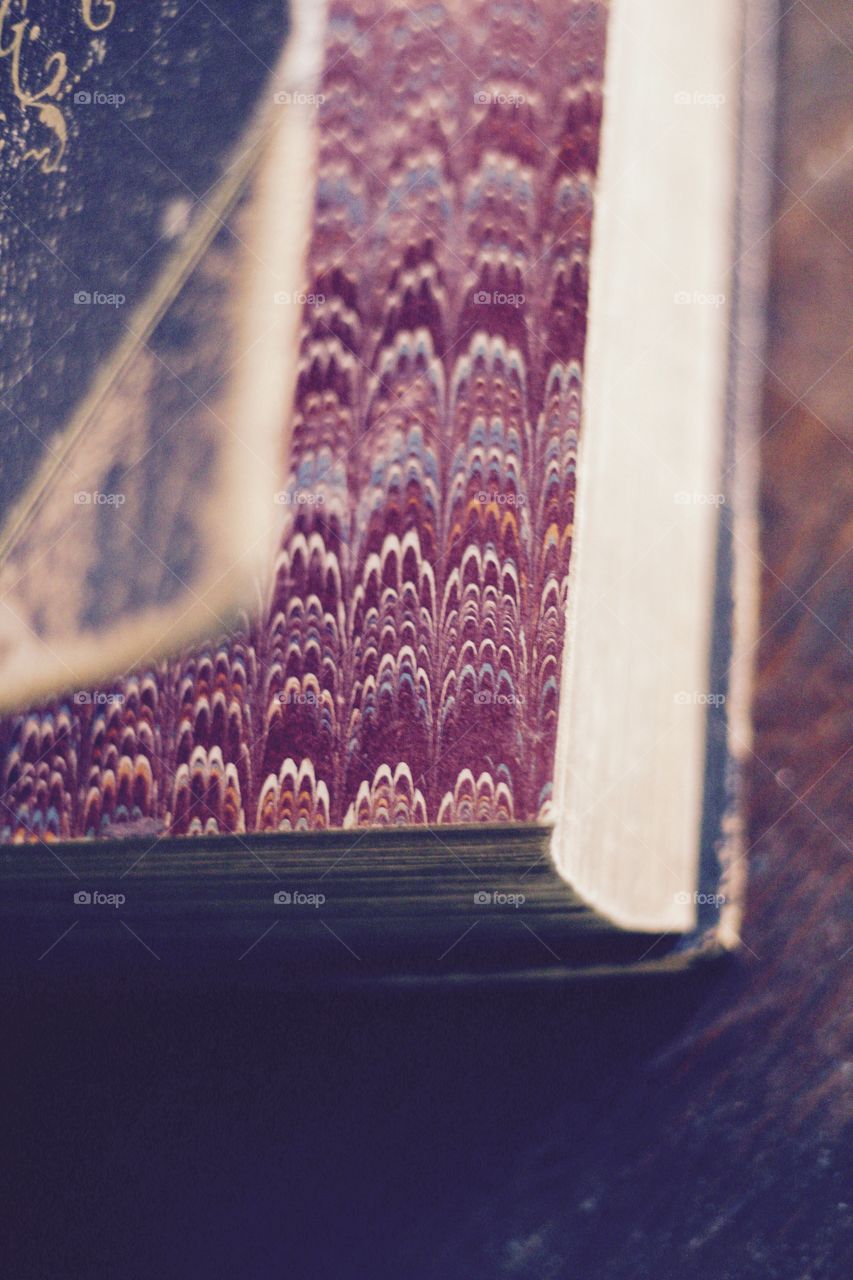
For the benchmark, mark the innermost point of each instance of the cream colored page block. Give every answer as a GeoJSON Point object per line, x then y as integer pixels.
{"type": "Point", "coordinates": [629, 775]}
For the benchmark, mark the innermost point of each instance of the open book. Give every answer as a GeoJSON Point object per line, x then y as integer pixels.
{"type": "Point", "coordinates": [487, 711]}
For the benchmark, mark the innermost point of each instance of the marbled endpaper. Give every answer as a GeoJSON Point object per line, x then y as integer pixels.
{"type": "Point", "coordinates": [403, 664]}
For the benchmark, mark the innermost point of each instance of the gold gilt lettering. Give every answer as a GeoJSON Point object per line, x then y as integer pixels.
{"type": "Point", "coordinates": [40, 93]}
{"type": "Point", "coordinates": [87, 14]}
{"type": "Point", "coordinates": [50, 156]}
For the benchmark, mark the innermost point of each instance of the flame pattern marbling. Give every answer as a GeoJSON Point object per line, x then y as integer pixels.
{"type": "Point", "coordinates": [404, 664]}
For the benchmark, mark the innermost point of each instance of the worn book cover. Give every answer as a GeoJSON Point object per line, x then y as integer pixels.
{"type": "Point", "coordinates": [404, 663]}
{"type": "Point", "coordinates": [147, 368]}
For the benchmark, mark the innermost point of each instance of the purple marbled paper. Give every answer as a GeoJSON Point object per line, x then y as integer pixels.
{"type": "Point", "coordinates": [404, 663]}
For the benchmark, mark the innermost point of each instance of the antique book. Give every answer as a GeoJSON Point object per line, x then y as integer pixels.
{"type": "Point", "coordinates": [487, 709]}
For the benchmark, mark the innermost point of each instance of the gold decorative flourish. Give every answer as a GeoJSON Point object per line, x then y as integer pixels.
{"type": "Point", "coordinates": [86, 7]}
{"type": "Point", "coordinates": [42, 92]}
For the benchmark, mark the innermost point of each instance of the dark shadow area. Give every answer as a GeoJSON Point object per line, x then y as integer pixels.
{"type": "Point", "coordinates": [255, 1135]}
